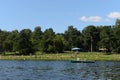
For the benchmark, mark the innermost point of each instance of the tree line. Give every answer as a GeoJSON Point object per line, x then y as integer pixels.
{"type": "Point", "coordinates": [91, 38]}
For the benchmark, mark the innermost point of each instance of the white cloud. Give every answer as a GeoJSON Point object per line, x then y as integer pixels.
{"type": "Point", "coordinates": [91, 19]}
{"type": "Point", "coordinates": [107, 20]}
{"type": "Point", "coordinates": [114, 15]}
{"type": "Point", "coordinates": [83, 18]}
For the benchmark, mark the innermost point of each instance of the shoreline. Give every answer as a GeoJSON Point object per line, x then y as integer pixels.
{"type": "Point", "coordinates": [62, 57]}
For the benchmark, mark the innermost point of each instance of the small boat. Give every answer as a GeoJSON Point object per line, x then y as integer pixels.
{"type": "Point", "coordinates": [82, 61]}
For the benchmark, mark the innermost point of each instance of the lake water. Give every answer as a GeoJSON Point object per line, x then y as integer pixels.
{"type": "Point", "coordinates": [58, 70]}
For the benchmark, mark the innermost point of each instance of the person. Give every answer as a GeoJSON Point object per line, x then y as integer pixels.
{"type": "Point", "coordinates": [78, 59]}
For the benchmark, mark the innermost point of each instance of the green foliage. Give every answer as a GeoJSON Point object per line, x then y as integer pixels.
{"type": "Point", "coordinates": [72, 37]}
{"type": "Point", "coordinates": [37, 38]}
{"type": "Point", "coordinates": [91, 38]}
{"type": "Point", "coordinates": [107, 38]}
{"type": "Point", "coordinates": [117, 36]}
{"type": "Point", "coordinates": [24, 43]}
{"type": "Point", "coordinates": [47, 41]}
{"type": "Point", "coordinates": [3, 36]}
{"type": "Point", "coordinates": [59, 43]}
{"type": "Point", "coordinates": [10, 41]}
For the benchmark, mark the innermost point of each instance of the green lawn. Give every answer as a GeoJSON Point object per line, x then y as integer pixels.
{"type": "Point", "coordinates": [63, 56]}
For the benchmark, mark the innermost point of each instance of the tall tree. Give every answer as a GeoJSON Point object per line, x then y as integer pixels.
{"type": "Point", "coordinates": [3, 36]}
{"type": "Point", "coordinates": [117, 23]}
{"type": "Point", "coordinates": [11, 40]}
{"type": "Point", "coordinates": [106, 37]}
{"type": "Point", "coordinates": [72, 37]}
{"type": "Point", "coordinates": [90, 38]}
{"type": "Point", "coordinates": [36, 38]}
{"type": "Point", "coordinates": [47, 41]}
{"type": "Point", "coordinates": [24, 43]}
{"type": "Point", "coordinates": [117, 36]}
{"type": "Point", "coordinates": [59, 43]}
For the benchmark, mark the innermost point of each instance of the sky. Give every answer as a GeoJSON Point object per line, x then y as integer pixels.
{"type": "Point", "coordinates": [57, 14]}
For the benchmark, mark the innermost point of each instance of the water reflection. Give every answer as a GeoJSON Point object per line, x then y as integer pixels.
{"type": "Point", "coordinates": [58, 70]}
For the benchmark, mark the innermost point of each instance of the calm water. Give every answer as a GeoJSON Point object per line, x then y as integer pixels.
{"type": "Point", "coordinates": [58, 70]}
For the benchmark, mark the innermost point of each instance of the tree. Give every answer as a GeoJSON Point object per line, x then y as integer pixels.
{"type": "Point", "coordinates": [72, 37]}
{"type": "Point", "coordinates": [3, 36]}
{"type": "Point", "coordinates": [47, 41]}
{"type": "Point", "coordinates": [117, 23]}
{"type": "Point", "coordinates": [36, 38]}
{"type": "Point", "coordinates": [59, 43]}
{"type": "Point", "coordinates": [106, 38]}
{"type": "Point", "coordinates": [10, 41]}
{"type": "Point", "coordinates": [24, 42]}
{"type": "Point", "coordinates": [117, 36]}
{"type": "Point", "coordinates": [90, 37]}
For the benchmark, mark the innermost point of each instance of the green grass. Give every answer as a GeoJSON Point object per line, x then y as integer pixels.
{"type": "Point", "coordinates": [63, 56]}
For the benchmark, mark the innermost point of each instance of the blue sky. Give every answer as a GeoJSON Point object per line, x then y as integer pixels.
{"type": "Point", "coordinates": [57, 14]}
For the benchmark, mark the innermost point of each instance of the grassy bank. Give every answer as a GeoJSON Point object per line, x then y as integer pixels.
{"type": "Point", "coordinates": [64, 56]}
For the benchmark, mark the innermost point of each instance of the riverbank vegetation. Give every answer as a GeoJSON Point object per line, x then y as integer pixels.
{"type": "Point", "coordinates": [97, 56]}
{"type": "Point", "coordinates": [90, 39]}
